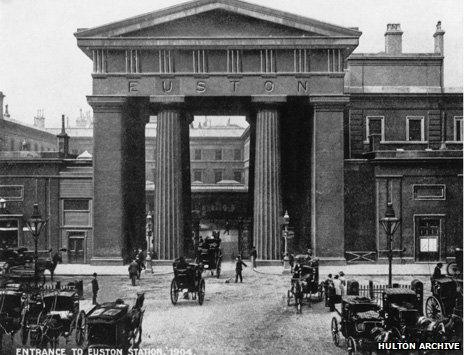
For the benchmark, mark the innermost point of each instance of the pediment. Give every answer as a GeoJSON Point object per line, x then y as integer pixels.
{"type": "Point", "coordinates": [218, 18]}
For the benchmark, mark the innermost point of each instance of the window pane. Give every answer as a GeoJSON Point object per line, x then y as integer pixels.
{"type": "Point", "coordinates": [197, 175]}
{"type": "Point", "coordinates": [238, 176]}
{"type": "Point", "coordinates": [217, 176]}
{"type": "Point", "coordinates": [197, 154]}
{"type": "Point", "coordinates": [218, 154]}
{"type": "Point", "coordinates": [415, 130]}
{"type": "Point", "coordinates": [375, 126]}
{"type": "Point", "coordinates": [237, 154]}
{"type": "Point", "coordinates": [76, 205]}
{"type": "Point", "coordinates": [11, 193]}
{"type": "Point", "coordinates": [459, 130]}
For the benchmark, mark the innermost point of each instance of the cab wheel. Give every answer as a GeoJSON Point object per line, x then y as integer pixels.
{"type": "Point", "coordinates": [335, 332]}
{"type": "Point", "coordinates": [201, 292]}
{"type": "Point", "coordinates": [351, 346]}
{"type": "Point", "coordinates": [452, 269]}
{"type": "Point", "coordinates": [24, 330]}
{"type": "Point", "coordinates": [174, 292]}
{"type": "Point", "coordinates": [80, 328]}
{"type": "Point", "coordinates": [433, 308]}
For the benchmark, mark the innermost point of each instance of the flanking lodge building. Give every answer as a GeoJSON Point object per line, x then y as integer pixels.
{"type": "Point", "coordinates": [334, 136]}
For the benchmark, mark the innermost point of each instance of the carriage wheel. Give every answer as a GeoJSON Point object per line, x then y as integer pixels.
{"type": "Point", "coordinates": [24, 330]}
{"type": "Point", "coordinates": [81, 327]}
{"type": "Point", "coordinates": [351, 346]}
{"type": "Point", "coordinates": [452, 269]}
{"type": "Point", "coordinates": [433, 308]}
{"type": "Point", "coordinates": [174, 292]}
{"type": "Point", "coordinates": [335, 332]}
{"type": "Point", "coordinates": [218, 269]}
{"type": "Point", "coordinates": [201, 292]}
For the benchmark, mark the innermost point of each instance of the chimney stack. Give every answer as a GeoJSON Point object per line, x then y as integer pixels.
{"type": "Point", "coordinates": [1, 105]}
{"type": "Point", "coordinates": [393, 39]}
{"type": "Point", "coordinates": [438, 40]}
{"type": "Point", "coordinates": [63, 141]}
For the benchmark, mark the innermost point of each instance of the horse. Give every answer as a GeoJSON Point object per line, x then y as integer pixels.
{"type": "Point", "coordinates": [49, 264]}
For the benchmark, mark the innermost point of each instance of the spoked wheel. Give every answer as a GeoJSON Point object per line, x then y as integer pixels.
{"type": "Point", "coordinates": [351, 346]}
{"type": "Point", "coordinates": [80, 328]}
{"type": "Point", "coordinates": [218, 269]}
{"type": "Point", "coordinates": [201, 292]}
{"type": "Point", "coordinates": [335, 332]}
{"type": "Point", "coordinates": [289, 298]}
{"type": "Point", "coordinates": [174, 292]}
{"type": "Point", "coordinates": [433, 308]}
{"type": "Point", "coordinates": [452, 269]}
{"type": "Point", "coordinates": [24, 330]}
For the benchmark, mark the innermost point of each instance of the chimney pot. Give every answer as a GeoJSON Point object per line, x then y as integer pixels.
{"type": "Point", "coordinates": [438, 45]}
{"type": "Point", "coordinates": [393, 39]}
{"type": "Point", "coordinates": [1, 105]}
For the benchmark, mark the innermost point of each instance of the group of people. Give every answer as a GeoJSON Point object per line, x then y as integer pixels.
{"type": "Point", "coordinates": [335, 287]}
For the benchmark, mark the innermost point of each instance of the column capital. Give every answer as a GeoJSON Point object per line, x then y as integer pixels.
{"type": "Point", "coordinates": [269, 99]}
{"type": "Point", "coordinates": [167, 99]}
{"type": "Point", "coordinates": [329, 103]}
{"type": "Point", "coordinates": [106, 103]}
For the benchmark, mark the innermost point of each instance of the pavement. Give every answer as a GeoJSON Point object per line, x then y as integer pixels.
{"type": "Point", "coordinates": [416, 269]}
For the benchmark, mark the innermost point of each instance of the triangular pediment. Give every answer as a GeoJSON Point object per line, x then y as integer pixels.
{"type": "Point", "coordinates": [218, 18]}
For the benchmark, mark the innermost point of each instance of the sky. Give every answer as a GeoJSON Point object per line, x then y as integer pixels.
{"type": "Point", "coordinates": [41, 66]}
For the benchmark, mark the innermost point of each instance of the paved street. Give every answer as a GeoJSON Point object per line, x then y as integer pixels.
{"type": "Point", "coordinates": [251, 317]}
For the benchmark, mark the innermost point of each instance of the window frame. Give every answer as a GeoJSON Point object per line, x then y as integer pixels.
{"type": "Point", "coordinates": [222, 175]}
{"type": "Point", "coordinates": [19, 198]}
{"type": "Point", "coordinates": [455, 119]}
{"type": "Point", "coordinates": [216, 154]}
{"type": "Point", "coordinates": [77, 199]}
{"type": "Point", "coordinates": [195, 154]}
{"type": "Point", "coordinates": [382, 127]}
{"type": "Point", "coordinates": [429, 198]}
{"type": "Point", "coordinates": [201, 175]}
{"type": "Point", "coordinates": [416, 118]}
{"type": "Point", "coordinates": [237, 157]}
{"type": "Point", "coordinates": [241, 176]}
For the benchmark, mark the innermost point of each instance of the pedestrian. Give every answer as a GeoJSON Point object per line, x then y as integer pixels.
{"type": "Point", "coordinates": [338, 289]}
{"type": "Point", "coordinates": [254, 255]}
{"type": "Point", "coordinates": [328, 288]}
{"type": "Point", "coordinates": [95, 288]}
{"type": "Point", "coordinates": [342, 282]}
{"type": "Point", "coordinates": [238, 268]}
{"type": "Point", "coordinates": [133, 271]}
{"type": "Point", "coordinates": [437, 271]}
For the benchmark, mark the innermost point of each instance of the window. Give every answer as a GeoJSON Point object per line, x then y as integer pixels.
{"type": "Point", "coordinates": [375, 125]}
{"type": "Point", "coordinates": [12, 145]}
{"type": "Point", "coordinates": [217, 176]}
{"type": "Point", "coordinates": [458, 128]}
{"type": "Point", "coordinates": [238, 175]}
{"type": "Point", "coordinates": [429, 192]}
{"type": "Point", "coordinates": [76, 205]}
{"type": "Point", "coordinates": [218, 154]}
{"type": "Point", "coordinates": [11, 192]}
{"type": "Point", "coordinates": [197, 154]}
{"type": "Point", "coordinates": [197, 175]}
{"type": "Point", "coordinates": [415, 129]}
{"type": "Point", "coordinates": [237, 154]}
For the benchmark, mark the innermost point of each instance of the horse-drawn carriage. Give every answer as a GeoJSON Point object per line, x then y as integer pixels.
{"type": "Point", "coordinates": [11, 305]}
{"type": "Point", "coordinates": [361, 324]}
{"type": "Point", "coordinates": [304, 282]}
{"type": "Point", "coordinates": [210, 255]}
{"type": "Point", "coordinates": [58, 316]}
{"type": "Point", "coordinates": [187, 279]}
{"type": "Point", "coordinates": [114, 325]}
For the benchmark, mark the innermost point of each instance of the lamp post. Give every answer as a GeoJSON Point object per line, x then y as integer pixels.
{"type": "Point", "coordinates": [36, 224]}
{"type": "Point", "coordinates": [286, 258]}
{"type": "Point", "coordinates": [149, 267]}
{"type": "Point", "coordinates": [390, 224]}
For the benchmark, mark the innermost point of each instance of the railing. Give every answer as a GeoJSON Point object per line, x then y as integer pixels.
{"type": "Point", "coordinates": [362, 255]}
{"type": "Point", "coordinates": [374, 292]}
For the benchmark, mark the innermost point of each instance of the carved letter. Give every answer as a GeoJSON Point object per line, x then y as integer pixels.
{"type": "Point", "coordinates": [269, 86]}
{"type": "Point", "coordinates": [201, 86]}
{"type": "Point", "coordinates": [303, 86]}
{"type": "Point", "coordinates": [133, 86]}
{"type": "Point", "coordinates": [167, 88]}
{"type": "Point", "coordinates": [234, 85]}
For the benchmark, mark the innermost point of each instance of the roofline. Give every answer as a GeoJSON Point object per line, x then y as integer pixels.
{"type": "Point", "coordinates": [200, 6]}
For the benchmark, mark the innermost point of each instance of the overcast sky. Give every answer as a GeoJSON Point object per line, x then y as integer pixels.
{"type": "Point", "coordinates": [41, 66]}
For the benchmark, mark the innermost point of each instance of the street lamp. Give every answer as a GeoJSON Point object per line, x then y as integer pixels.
{"type": "Point", "coordinates": [390, 224]}
{"type": "Point", "coordinates": [149, 267]}
{"type": "Point", "coordinates": [286, 258]}
{"type": "Point", "coordinates": [36, 224]}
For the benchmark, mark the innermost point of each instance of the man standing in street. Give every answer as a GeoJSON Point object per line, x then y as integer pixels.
{"type": "Point", "coordinates": [238, 268]}
{"type": "Point", "coordinates": [254, 255]}
{"type": "Point", "coordinates": [95, 288]}
{"type": "Point", "coordinates": [133, 271]}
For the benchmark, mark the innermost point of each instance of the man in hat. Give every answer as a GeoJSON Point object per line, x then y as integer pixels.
{"type": "Point", "coordinates": [133, 271]}
{"type": "Point", "coordinates": [238, 268]}
{"type": "Point", "coordinates": [437, 271]}
{"type": "Point", "coordinates": [95, 288]}
{"type": "Point", "coordinates": [342, 282]}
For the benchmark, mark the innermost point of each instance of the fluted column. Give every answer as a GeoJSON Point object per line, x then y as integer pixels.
{"type": "Point", "coordinates": [168, 207]}
{"type": "Point", "coordinates": [267, 199]}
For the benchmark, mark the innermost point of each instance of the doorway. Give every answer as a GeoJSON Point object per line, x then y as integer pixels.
{"type": "Point", "coordinates": [76, 245]}
{"type": "Point", "coordinates": [428, 238]}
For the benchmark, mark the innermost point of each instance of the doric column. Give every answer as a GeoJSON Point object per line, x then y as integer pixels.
{"type": "Point", "coordinates": [327, 190]}
{"type": "Point", "coordinates": [267, 198]}
{"type": "Point", "coordinates": [168, 223]}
